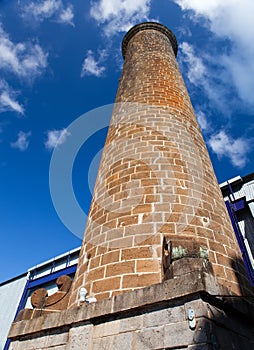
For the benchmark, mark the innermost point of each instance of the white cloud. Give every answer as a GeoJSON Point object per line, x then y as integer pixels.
{"type": "Point", "coordinates": [119, 15]}
{"type": "Point", "coordinates": [23, 59]}
{"type": "Point", "coordinates": [42, 9]}
{"type": "Point", "coordinates": [202, 75]}
{"type": "Point", "coordinates": [231, 19]}
{"type": "Point", "coordinates": [203, 122]}
{"type": "Point", "coordinates": [48, 9]}
{"type": "Point", "coordinates": [66, 16]}
{"type": "Point", "coordinates": [236, 150]}
{"type": "Point", "coordinates": [196, 68]}
{"type": "Point", "coordinates": [56, 138]}
{"type": "Point", "coordinates": [91, 66]}
{"type": "Point", "coordinates": [22, 142]}
{"type": "Point", "coordinates": [8, 100]}
{"type": "Point", "coordinates": [201, 7]}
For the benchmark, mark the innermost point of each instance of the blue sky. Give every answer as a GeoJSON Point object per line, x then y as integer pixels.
{"type": "Point", "coordinates": [60, 59]}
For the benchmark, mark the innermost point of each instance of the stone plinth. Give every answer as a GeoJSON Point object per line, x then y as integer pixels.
{"type": "Point", "coordinates": [155, 317]}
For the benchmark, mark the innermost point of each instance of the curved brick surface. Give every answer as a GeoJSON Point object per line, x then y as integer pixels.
{"type": "Point", "coordinates": [145, 26]}
{"type": "Point", "coordinates": [156, 198]}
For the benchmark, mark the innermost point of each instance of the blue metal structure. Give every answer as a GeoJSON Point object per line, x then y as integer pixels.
{"type": "Point", "coordinates": [232, 209]}
{"type": "Point", "coordinates": [239, 198]}
{"type": "Point", "coordinates": [34, 282]}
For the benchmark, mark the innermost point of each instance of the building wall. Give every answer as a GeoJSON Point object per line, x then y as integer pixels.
{"type": "Point", "coordinates": [16, 294]}
{"type": "Point", "coordinates": [238, 194]}
{"type": "Point", "coordinates": [10, 296]}
{"type": "Point", "coordinates": [161, 329]}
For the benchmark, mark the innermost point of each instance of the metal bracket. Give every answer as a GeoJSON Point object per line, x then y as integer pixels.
{"type": "Point", "coordinates": [192, 319]}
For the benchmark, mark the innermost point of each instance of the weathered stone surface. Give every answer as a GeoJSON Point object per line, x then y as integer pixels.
{"type": "Point", "coordinates": [107, 329]}
{"type": "Point", "coordinates": [199, 347]}
{"type": "Point", "coordinates": [178, 334]}
{"type": "Point", "coordinates": [170, 290]}
{"type": "Point", "coordinates": [116, 342]}
{"type": "Point", "coordinates": [80, 337]}
{"type": "Point", "coordinates": [199, 306]}
{"type": "Point", "coordinates": [41, 342]}
{"type": "Point", "coordinates": [151, 338]}
{"type": "Point", "coordinates": [160, 325]}
{"type": "Point", "coordinates": [130, 324]}
{"type": "Point", "coordinates": [57, 339]}
{"type": "Point", "coordinates": [159, 317]}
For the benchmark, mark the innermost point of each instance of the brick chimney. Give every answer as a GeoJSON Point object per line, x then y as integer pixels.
{"type": "Point", "coordinates": [157, 211]}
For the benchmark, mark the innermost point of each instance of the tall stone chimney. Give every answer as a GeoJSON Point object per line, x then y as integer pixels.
{"type": "Point", "coordinates": [157, 227]}
{"type": "Point", "coordinates": [157, 210]}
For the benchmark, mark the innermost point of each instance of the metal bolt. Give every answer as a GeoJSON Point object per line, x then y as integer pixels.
{"type": "Point", "coordinates": [192, 319]}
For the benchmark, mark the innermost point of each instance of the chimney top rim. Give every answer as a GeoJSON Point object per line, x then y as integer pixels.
{"type": "Point", "coordinates": [149, 25]}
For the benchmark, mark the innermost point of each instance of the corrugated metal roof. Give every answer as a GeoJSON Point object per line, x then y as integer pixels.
{"type": "Point", "coordinates": [249, 191]}
{"type": "Point", "coordinates": [246, 190]}
{"type": "Point", "coordinates": [59, 257]}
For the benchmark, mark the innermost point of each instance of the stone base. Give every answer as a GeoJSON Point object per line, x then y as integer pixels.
{"type": "Point", "coordinates": [156, 317]}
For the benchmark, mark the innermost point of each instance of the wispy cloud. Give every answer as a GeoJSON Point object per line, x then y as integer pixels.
{"type": "Point", "coordinates": [203, 122]}
{"type": "Point", "coordinates": [200, 73]}
{"type": "Point", "coordinates": [196, 69]}
{"type": "Point", "coordinates": [24, 59]}
{"type": "Point", "coordinates": [231, 20]}
{"type": "Point", "coordinates": [236, 150]}
{"type": "Point", "coordinates": [119, 15]}
{"type": "Point", "coordinates": [66, 15]}
{"type": "Point", "coordinates": [8, 103]}
{"type": "Point", "coordinates": [91, 66]}
{"type": "Point", "coordinates": [42, 9]}
{"type": "Point", "coordinates": [221, 72]}
{"type": "Point", "coordinates": [22, 142]}
{"type": "Point", "coordinates": [55, 10]}
{"type": "Point", "coordinates": [56, 138]}
{"type": "Point", "coordinates": [8, 100]}
{"type": "Point", "coordinates": [202, 76]}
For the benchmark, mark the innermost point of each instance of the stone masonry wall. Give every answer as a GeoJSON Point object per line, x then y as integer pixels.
{"type": "Point", "coordinates": [165, 328]}
{"type": "Point", "coordinates": [156, 198]}
{"type": "Point", "coordinates": [156, 317]}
